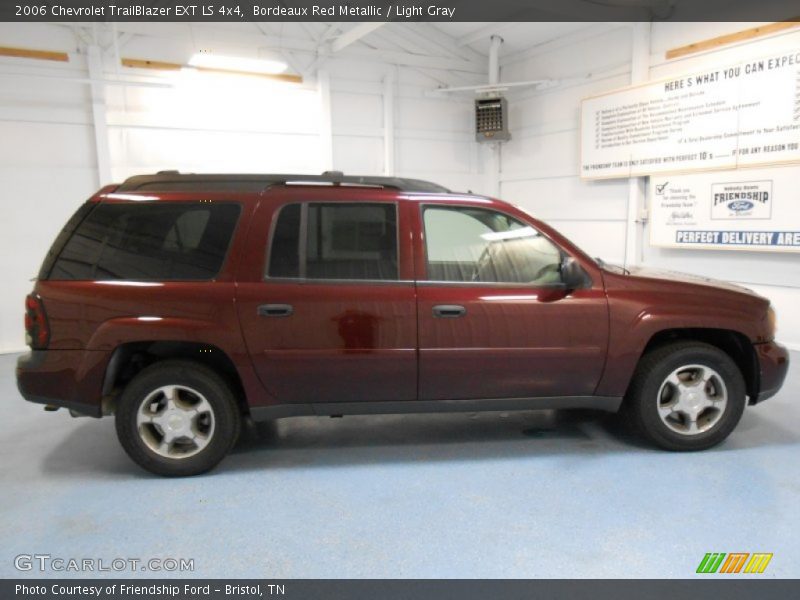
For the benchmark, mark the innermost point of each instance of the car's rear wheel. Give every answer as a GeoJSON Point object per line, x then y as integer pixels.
{"type": "Point", "coordinates": [177, 418]}
{"type": "Point", "coordinates": [686, 396]}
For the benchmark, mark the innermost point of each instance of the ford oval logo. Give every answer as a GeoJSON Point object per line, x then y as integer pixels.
{"type": "Point", "coordinates": [740, 205]}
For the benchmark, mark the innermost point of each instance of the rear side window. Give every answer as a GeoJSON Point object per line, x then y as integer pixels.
{"type": "Point", "coordinates": [178, 241]}
{"type": "Point", "coordinates": [338, 241]}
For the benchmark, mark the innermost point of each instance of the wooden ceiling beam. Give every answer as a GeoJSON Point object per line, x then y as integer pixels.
{"type": "Point", "coordinates": [34, 54]}
{"type": "Point", "coordinates": [732, 38]}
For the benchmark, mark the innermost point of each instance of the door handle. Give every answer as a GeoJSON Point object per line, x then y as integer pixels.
{"type": "Point", "coordinates": [275, 310]}
{"type": "Point", "coordinates": [449, 311]}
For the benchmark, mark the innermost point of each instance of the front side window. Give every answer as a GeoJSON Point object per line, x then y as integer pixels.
{"type": "Point", "coordinates": [337, 241]}
{"type": "Point", "coordinates": [155, 241]}
{"type": "Point", "coordinates": [466, 244]}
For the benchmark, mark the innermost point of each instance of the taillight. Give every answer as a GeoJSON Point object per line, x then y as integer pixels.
{"type": "Point", "coordinates": [37, 329]}
{"type": "Point", "coordinates": [772, 322]}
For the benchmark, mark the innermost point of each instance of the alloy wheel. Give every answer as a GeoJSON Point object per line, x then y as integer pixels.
{"type": "Point", "coordinates": [175, 421]}
{"type": "Point", "coordinates": [692, 399]}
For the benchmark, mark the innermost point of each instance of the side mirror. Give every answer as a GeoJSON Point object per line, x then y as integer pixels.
{"type": "Point", "coordinates": [572, 274]}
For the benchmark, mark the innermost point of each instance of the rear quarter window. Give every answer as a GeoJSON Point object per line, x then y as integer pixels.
{"type": "Point", "coordinates": [63, 238]}
{"type": "Point", "coordinates": [164, 241]}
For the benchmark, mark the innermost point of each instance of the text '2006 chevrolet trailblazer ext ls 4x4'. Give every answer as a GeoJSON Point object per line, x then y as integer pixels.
{"type": "Point", "coordinates": [184, 303]}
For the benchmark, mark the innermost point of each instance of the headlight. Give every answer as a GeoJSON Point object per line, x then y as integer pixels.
{"type": "Point", "coordinates": [772, 319]}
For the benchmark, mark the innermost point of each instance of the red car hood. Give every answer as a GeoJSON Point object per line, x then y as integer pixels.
{"type": "Point", "coordinates": [678, 277]}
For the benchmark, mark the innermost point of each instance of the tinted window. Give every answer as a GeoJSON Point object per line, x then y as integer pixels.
{"type": "Point", "coordinates": [63, 238]}
{"type": "Point", "coordinates": [149, 241]}
{"type": "Point", "coordinates": [284, 258]}
{"type": "Point", "coordinates": [342, 241]}
{"type": "Point", "coordinates": [471, 244]}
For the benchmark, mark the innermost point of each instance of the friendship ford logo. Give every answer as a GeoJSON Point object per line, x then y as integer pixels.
{"type": "Point", "coordinates": [741, 200]}
{"type": "Point", "coordinates": [740, 205]}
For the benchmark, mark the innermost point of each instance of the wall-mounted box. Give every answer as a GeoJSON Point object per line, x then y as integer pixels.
{"type": "Point", "coordinates": [491, 120]}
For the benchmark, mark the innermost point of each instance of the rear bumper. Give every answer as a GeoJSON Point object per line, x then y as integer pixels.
{"type": "Point", "coordinates": [65, 378]}
{"type": "Point", "coordinates": [773, 363]}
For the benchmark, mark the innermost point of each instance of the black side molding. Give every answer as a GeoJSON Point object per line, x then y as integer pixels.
{"type": "Point", "coordinates": [329, 409]}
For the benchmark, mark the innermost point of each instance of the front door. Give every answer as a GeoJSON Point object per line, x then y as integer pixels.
{"type": "Point", "coordinates": [332, 316]}
{"type": "Point", "coordinates": [494, 319]}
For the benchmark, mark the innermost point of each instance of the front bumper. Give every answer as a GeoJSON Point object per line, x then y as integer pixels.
{"type": "Point", "coordinates": [69, 379]}
{"type": "Point", "coordinates": [773, 364]}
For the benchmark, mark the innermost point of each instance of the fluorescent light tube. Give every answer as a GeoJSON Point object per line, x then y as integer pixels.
{"type": "Point", "coordinates": [207, 60]}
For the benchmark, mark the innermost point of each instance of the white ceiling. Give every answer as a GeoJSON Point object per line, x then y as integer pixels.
{"type": "Point", "coordinates": [517, 37]}
{"type": "Point", "coordinates": [450, 53]}
{"type": "Point", "coordinates": [463, 41]}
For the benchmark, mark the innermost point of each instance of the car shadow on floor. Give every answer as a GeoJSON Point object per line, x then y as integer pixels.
{"type": "Point", "coordinates": [461, 437]}
{"type": "Point", "coordinates": [90, 449]}
{"type": "Point", "coordinates": [354, 440]}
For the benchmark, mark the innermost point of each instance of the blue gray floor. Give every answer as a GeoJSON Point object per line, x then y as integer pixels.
{"type": "Point", "coordinates": [522, 495]}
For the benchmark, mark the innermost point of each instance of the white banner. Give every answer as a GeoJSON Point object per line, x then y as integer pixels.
{"type": "Point", "coordinates": [748, 209]}
{"type": "Point", "coordinates": [727, 117]}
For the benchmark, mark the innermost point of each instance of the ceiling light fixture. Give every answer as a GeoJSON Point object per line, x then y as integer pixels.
{"type": "Point", "coordinates": [235, 64]}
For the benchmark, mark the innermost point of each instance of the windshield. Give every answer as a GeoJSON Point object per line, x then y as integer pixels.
{"type": "Point", "coordinates": [599, 261]}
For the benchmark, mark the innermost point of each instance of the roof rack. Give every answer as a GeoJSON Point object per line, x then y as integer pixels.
{"type": "Point", "coordinates": [174, 181]}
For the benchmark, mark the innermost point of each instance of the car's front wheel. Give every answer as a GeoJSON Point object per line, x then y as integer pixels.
{"type": "Point", "coordinates": [177, 418]}
{"type": "Point", "coordinates": [686, 396]}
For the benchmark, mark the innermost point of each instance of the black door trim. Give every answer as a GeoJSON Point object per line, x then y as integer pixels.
{"type": "Point", "coordinates": [604, 403]}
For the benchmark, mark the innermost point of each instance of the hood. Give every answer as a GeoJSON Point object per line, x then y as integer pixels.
{"type": "Point", "coordinates": [678, 277]}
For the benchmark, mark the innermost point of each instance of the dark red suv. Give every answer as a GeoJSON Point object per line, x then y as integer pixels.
{"type": "Point", "coordinates": [184, 303]}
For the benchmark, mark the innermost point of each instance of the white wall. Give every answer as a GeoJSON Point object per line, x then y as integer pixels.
{"type": "Point", "coordinates": [540, 165]}
{"type": "Point", "coordinates": [47, 167]}
{"type": "Point", "coordinates": [433, 135]}
{"type": "Point", "coordinates": [48, 158]}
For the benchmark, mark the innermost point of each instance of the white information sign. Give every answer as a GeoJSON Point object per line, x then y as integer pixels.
{"type": "Point", "coordinates": [748, 209]}
{"type": "Point", "coordinates": [740, 115]}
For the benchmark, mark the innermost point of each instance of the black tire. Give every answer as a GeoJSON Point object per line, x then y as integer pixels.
{"type": "Point", "coordinates": [642, 399]}
{"type": "Point", "coordinates": [226, 415]}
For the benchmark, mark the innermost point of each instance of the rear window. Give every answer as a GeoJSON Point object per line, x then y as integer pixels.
{"type": "Point", "coordinates": [167, 241]}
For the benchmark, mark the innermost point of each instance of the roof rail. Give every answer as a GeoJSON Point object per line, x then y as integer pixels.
{"type": "Point", "coordinates": [174, 181]}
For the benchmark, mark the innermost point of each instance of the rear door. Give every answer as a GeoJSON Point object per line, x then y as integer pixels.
{"type": "Point", "coordinates": [494, 319]}
{"type": "Point", "coordinates": [327, 300]}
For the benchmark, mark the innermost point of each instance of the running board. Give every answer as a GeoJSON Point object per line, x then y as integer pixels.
{"type": "Point", "coordinates": [335, 409]}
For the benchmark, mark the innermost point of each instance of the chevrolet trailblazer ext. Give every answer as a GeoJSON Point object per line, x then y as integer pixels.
{"type": "Point", "coordinates": [182, 304]}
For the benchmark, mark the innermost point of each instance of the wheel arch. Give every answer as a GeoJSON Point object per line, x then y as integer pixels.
{"type": "Point", "coordinates": [734, 343]}
{"type": "Point", "coordinates": [129, 358]}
